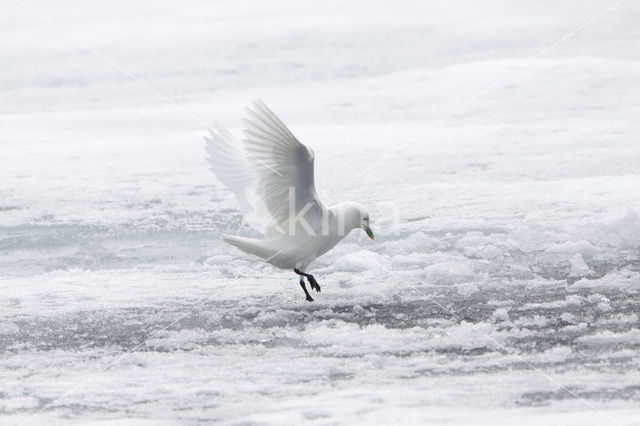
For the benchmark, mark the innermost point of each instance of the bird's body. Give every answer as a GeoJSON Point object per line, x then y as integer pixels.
{"type": "Point", "coordinates": [272, 176]}
{"type": "Point", "coordinates": [296, 251]}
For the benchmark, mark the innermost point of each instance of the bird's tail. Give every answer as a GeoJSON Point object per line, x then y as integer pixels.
{"type": "Point", "coordinates": [250, 245]}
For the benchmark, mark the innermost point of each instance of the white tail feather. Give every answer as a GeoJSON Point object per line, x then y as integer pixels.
{"type": "Point", "coordinates": [250, 245]}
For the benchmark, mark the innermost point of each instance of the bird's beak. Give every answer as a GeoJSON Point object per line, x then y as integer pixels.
{"type": "Point", "coordinates": [369, 232]}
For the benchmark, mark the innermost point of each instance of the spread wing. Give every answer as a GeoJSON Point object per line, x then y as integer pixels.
{"type": "Point", "coordinates": [285, 174]}
{"type": "Point", "coordinates": [229, 163]}
{"type": "Point", "coordinates": [271, 174]}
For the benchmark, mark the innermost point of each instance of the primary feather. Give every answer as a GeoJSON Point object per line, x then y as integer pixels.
{"type": "Point", "coordinates": [284, 167]}
{"type": "Point", "coordinates": [271, 174]}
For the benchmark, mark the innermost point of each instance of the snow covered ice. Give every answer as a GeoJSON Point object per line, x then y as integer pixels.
{"type": "Point", "coordinates": [520, 214]}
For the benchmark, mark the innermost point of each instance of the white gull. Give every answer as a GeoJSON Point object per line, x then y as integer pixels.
{"type": "Point", "coordinates": [271, 174]}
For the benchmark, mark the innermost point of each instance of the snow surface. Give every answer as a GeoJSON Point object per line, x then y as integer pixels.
{"type": "Point", "coordinates": [503, 287]}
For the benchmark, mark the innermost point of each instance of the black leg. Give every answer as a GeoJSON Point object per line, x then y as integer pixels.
{"type": "Point", "coordinates": [312, 281]}
{"type": "Point", "coordinates": [306, 293]}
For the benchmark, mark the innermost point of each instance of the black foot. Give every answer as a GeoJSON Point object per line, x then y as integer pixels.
{"type": "Point", "coordinates": [306, 293]}
{"type": "Point", "coordinates": [313, 283]}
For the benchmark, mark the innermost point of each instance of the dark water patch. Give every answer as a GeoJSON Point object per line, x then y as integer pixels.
{"type": "Point", "coordinates": [529, 329]}
{"type": "Point", "coordinates": [630, 393]}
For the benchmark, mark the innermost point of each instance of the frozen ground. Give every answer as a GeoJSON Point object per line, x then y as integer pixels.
{"type": "Point", "coordinates": [507, 293]}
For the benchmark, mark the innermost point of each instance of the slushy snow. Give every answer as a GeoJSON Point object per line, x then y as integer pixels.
{"type": "Point", "coordinates": [503, 285]}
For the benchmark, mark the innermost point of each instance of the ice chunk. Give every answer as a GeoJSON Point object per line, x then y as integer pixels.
{"type": "Point", "coordinates": [622, 280]}
{"type": "Point", "coordinates": [629, 222]}
{"type": "Point", "coordinates": [569, 317]}
{"type": "Point", "coordinates": [579, 267]}
{"type": "Point", "coordinates": [466, 289]}
{"type": "Point", "coordinates": [582, 247]}
{"type": "Point", "coordinates": [624, 231]}
{"type": "Point", "coordinates": [359, 261]}
{"type": "Point", "coordinates": [500, 315]}
{"type": "Point", "coordinates": [448, 273]}
{"type": "Point", "coordinates": [631, 337]}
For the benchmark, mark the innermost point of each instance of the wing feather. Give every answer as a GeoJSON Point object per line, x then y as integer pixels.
{"type": "Point", "coordinates": [267, 173]}
{"type": "Point", "coordinates": [284, 167]}
{"type": "Point", "coordinates": [228, 162]}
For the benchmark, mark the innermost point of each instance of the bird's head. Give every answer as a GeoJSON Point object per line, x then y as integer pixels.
{"type": "Point", "coordinates": [364, 224]}
{"type": "Point", "coordinates": [354, 215]}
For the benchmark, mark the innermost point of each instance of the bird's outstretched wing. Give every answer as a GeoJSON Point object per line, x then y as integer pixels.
{"type": "Point", "coordinates": [229, 163]}
{"type": "Point", "coordinates": [271, 174]}
{"type": "Point", "coordinates": [285, 171]}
